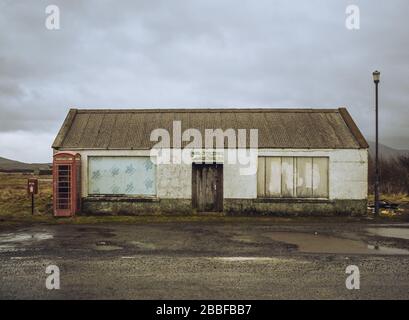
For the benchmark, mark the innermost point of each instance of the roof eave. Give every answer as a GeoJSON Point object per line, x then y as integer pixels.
{"type": "Point", "coordinates": [359, 137]}
{"type": "Point", "coordinates": [69, 119]}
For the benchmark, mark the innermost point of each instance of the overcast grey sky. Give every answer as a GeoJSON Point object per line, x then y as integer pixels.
{"type": "Point", "coordinates": [190, 53]}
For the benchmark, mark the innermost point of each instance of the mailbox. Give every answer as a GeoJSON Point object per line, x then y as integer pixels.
{"type": "Point", "coordinates": [66, 183]}
{"type": "Point", "coordinates": [32, 186]}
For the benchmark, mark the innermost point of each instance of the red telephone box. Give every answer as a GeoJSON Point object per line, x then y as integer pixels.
{"type": "Point", "coordinates": [66, 183]}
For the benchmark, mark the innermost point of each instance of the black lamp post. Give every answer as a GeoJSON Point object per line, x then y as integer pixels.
{"type": "Point", "coordinates": [376, 77]}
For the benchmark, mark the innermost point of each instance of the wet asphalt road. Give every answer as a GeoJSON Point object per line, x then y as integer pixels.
{"type": "Point", "coordinates": [196, 260]}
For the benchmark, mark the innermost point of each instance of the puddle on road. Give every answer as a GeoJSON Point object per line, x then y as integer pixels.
{"type": "Point", "coordinates": [144, 245]}
{"type": "Point", "coordinates": [10, 242]}
{"type": "Point", "coordinates": [273, 260]}
{"type": "Point", "coordinates": [234, 259]}
{"type": "Point", "coordinates": [243, 238]}
{"type": "Point", "coordinates": [106, 246]}
{"type": "Point", "coordinates": [10, 248]}
{"type": "Point", "coordinates": [313, 243]}
{"type": "Point", "coordinates": [19, 237]}
{"type": "Point", "coordinates": [401, 233]}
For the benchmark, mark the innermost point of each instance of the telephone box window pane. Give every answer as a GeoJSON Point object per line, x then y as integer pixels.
{"type": "Point", "coordinates": [121, 176]}
{"type": "Point", "coordinates": [63, 187]}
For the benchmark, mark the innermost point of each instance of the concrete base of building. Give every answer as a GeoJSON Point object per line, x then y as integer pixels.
{"type": "Point", "coordinates": [271, 207]}
{"type": "Point", "coordinates": [296, 207]}
{"type": "Point", "coordinates": [135, 206]}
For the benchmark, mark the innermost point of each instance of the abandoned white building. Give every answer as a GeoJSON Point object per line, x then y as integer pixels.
{"type": "Point", "coordinates": [308, 161]}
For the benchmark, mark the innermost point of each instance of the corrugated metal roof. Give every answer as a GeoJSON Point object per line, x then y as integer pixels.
{"type": "Point", "coordinates": [277, 128]}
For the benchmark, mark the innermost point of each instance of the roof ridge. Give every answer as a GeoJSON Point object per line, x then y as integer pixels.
{"type": "Point", "coordinates": [206, 110]}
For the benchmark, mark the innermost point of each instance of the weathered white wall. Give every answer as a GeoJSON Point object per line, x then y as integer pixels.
{"type": "Point", "coordinates": [237, 186]}
{"type": "Point", "coordinates": [174, 181]}
{"type": "Point", "coordinates": [347, 173]}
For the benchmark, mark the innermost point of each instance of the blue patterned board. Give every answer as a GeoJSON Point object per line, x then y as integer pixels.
{"type": "Point", "coordinates": [121, 175]}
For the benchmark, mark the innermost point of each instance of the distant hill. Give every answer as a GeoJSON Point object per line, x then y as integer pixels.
{"type": "Point", "coordinates": [386, 152]}
{"type": "Point", "coordinates": [7, 165]}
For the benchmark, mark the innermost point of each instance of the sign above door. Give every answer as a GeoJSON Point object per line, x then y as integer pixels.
{"type": "Point", "coordinates": [207, 156]}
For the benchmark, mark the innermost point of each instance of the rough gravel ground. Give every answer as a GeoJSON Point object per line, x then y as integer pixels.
{"type": "Point", "coordinates": [197, 261]}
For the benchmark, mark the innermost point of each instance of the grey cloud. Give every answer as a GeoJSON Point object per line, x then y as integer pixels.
{"type": "Point", "coordinates": [202, 53]}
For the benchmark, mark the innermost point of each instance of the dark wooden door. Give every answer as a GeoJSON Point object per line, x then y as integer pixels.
{"type": "Point", "coordinates": [207, 187]}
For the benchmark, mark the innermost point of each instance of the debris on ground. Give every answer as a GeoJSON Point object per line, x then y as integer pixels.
{"type": "Point", "coordinates": [386, 209]}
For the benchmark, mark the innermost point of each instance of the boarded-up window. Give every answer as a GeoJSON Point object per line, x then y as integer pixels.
{"type": "Point", "coordinates": [273, 176]}
{"type": "Point", "coordinates": [288, 177]}
{"type": "Point", "coordinates": [261, 176]}
{"type": "Point", "coordinates": [304, 177]}
{"type": "Point", "coordinates": [320, 177]}
{"type": "Point", "coordinates": [121, 176]}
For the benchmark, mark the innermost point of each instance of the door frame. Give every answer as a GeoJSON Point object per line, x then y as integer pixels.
{"type": "Point", "coordinates": [219, 185]}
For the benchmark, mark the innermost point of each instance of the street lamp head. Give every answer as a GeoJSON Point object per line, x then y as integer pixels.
{"type": "Point", "coordinates": [376, 76]}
